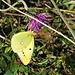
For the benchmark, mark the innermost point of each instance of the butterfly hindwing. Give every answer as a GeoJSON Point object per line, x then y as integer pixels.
{"type": "Point", "coordinates": [25, 55]}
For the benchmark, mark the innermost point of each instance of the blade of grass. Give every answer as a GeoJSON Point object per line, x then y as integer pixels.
{"type": "Point", "coordinates": [9, 7]}
{"type": "Point", "coordinates": [40, 22]}
{"type": "Point", "coordinates": [2, 37]}
{"type": "Point", "coordinates": [25, 5]}
{"type": "Point", "coordinates": [63, 18]}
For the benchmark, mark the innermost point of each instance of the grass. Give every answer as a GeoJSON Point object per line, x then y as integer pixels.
{"type": "Point", "coordinates": [53, 54]}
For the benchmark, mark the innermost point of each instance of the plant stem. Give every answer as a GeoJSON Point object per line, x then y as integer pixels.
{"type": "Point", "coordinates": [40, 22]}
{"type": "Point", "coordinates": [2, 37]}
{"type": "Point", "coordinates": [9, 7]}
{"type": "Point", "coordinates": [63, 18]}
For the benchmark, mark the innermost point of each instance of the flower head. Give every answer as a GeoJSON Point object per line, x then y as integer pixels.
{"type": "Point", "coordinates": [35, 26]}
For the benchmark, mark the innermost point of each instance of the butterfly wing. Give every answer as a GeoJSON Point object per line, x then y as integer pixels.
{"type": "Point", "coordinates": [21, 40]}
{"type": "Point", "coordinates": [25, 55]}
{"type": "Point", "coordinates": [23, 44]}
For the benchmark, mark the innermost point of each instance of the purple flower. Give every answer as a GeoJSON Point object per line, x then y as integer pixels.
{"type": "Point", "coordinates": [36, 26]}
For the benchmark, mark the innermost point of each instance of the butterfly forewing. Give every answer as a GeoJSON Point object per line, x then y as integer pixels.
{"type": "Point", "coordinates": [20, 41]}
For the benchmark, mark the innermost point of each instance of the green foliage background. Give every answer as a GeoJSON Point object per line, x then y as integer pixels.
{"type": "Point", "coordinates": [53, 55]}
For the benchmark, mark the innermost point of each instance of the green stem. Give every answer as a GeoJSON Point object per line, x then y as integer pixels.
{"type": "Point", "coordinates": [40, 22]}
{"type": "Point", "coordinates": [63, 18]}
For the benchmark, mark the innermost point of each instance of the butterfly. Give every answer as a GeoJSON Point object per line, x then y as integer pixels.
{"type": "Point", "coordinates": [22, 43]}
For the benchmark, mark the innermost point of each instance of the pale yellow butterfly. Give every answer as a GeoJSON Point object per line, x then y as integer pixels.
{"type": "Point", "coordinates": [23, 43]}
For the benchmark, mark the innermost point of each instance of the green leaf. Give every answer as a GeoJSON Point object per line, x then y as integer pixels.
{"type": "Point", "coordinates": [7, 49]}
{"type": "Point", "coordinates": [21, 69]}
{"type": "Point", "coordinates": [71, 7]}
{"type": "Point", "coordinates": [14, 67]}
{"type": "Point", "coordinates": [7, 57]}
{"type": "Point", "coordinates": [8, 73]}
{"type": "Point", "coordinates": [0, 71]}
{"type": "Point", "coordinates": [27, 69]}
{"type": "Point", "coordinates": [58, 63]}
